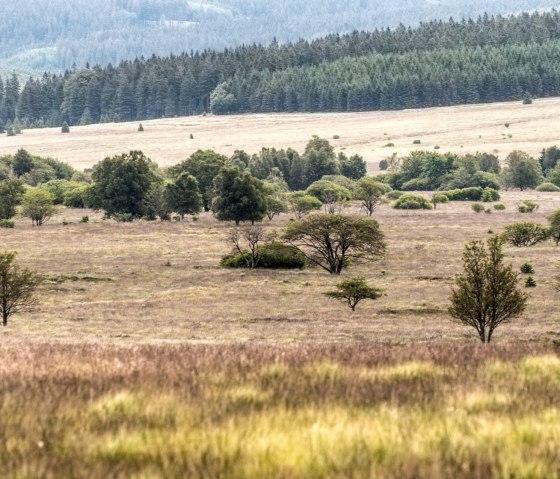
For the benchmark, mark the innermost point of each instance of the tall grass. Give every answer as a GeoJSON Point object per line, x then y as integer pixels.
{"type": "Point", "coordinates": [307, 411]}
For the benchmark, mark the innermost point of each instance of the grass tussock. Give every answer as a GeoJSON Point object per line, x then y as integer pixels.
{"type": "Point", "coordinates": [308, 411]}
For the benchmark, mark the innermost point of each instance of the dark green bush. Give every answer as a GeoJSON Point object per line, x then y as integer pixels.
{"type": "Point", "coordinates": [473, 193]}
{"type": "Point", "coordinates": [411, 201]}
{"type": "Point", "coordinates": [527, 268]}
{"type": "Point", "coordinates": [500, 207]}
{"type": "Point", "coordinates": [489, 194]}
{"type": "Point", "coordinates": [525, 233]}
{"type": "Point", "coordinates": [273, 255]}
{"type": "Point", "coordinates": [530, 283]}
{"type": "Point", "coordinates": [7, 224]}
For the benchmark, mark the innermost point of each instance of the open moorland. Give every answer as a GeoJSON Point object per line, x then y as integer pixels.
{"type": "Point", "coordinates": [145, 359]}
{"type": "Point", "coordinates": [459, 129]}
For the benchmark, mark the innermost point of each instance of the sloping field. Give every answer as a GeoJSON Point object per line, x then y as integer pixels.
{"type": "Point", "coordinates": [460, 129]}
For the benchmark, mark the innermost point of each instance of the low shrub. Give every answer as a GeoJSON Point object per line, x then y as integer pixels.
{"type": "Point", "coordinates": [384, 164]}
{"type": "Point", "coordinates": [7, 224]}
{"type": "Point", "coordinates": [394, 195]}
{"type": "Point", "coordinates": [274, 255]}
{"type": "Point", "coordinates": [530, 282]}
{"type": "Point", "coordinates": [416, 142]}
{"type": "Point", "coordinates": [489, 195]}
{"type": "Point", "coordinates": [500, 207]}
{"type": "Point", "coordinates": [410, 201]}
{"type": "Point", "coordinates": [527, 268]}
{"type": "Point", "coordinates": [477, 207]}
{"type": "Point", "coordinates": [547, 187]}
{"type": "Point", "coordinates": [85, 219]}
{"type": "Point", "coordinates": [473, 193]}
{"type": "Point", "coordinates": [525, 233]}
{"type": "Point", "coordinates": [388, 145]}
{"type": "Point", "coordinates": [528, 206]}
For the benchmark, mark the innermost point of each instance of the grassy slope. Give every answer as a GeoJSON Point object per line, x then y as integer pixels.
{"type": "Point", "coordinates": [460, 129]}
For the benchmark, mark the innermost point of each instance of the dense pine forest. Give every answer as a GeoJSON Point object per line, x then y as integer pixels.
{"type": "Point", "coordinates": [437, 63]}
{"type": "Point", "coordinates": [53, 35]}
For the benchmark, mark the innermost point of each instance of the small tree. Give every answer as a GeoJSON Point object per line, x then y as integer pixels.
{"type": "Point", "coordinates": [554, 229]}
{"type": "Point", "coordinates": [439, 198]}
{"type": "Point", "coordinates": [65, 128]}
{"type": "Point", "coordinates": [183, 196]}
{"type": "Point", "coordinates": [486, 293]}
{"type": "Point", "coordinates": [17, 287]}
{"type": "Point", "coordinates": [140, 127]}
{"type": "Point", "coordinates": [370, 193]}
{"type": "Point", "coordinates": [332, 241]}
{"type": "Point", "coordinates": [251, 236]}
{"type": "Point", "coordinates": [37, 205]}
{"type": "Point", "coordinates": [332, 196]}
{"type": "Point", "coordinates": [354, 290]}
{"type": "Point", "coordinates": [11, 192]}
{"type": "Point", "coordinates": [301, 203]}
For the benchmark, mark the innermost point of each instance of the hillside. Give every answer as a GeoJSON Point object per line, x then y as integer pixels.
{"type": "Point", "coordinates": [39, 35]}
{"type": "Point", "coordinates": [460, 129]}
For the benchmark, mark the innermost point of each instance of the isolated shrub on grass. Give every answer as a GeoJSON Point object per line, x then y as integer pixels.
{"type": "Point", "coordinates": [7, 224]}
{"type": "Point", "coordinates": [547, 187]}
{"type": "Point", "coordinates": [65, 128]}
{"type": "Point", "coordinates": [273, 255]}
{"type": "Point", "coordinates": [388, 145]}
{"type": "Point", "coordinates": [527, 268]}
{"type": "Point", "coordinates": [140, 127]}
{"type": "Point", "coordinates": [524, 233]}
{"type": "Point", "coordinates": [416, 142]}
{"type": "Point", "coordinates": [354, 290]}
{"type": "Point", "coordinates": [500, 207]}
{"type": "Point", "coordinates": [383, 165]}
{"type": "Point", "coordinates": [530, 282]}
{"type": "Point", "coordinates": [477, 207]}
{"type": "Point", "coordinates": [527, 206]}
{"type": "Point", "coordinates": [410, 201]}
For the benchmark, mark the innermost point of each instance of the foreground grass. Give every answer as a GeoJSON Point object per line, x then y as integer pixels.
{"type": "Point", "coordinates": [284, 412]}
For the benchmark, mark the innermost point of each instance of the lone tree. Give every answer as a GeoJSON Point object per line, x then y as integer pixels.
{"type": "Point", "coordinates": [370, 193]}
{"type": "Point", "coordinates": [17, 287]}
{"type": "Point", "coordinates": [354, 290]}
{"type": "Point", "coordinates": [38, 205]}
{"type": "Point", "coordinates": [332, 241]}
{"type": "Point", "coordinates": [486, 293]}
{"type": "Point", "coordinates": [245, 241]}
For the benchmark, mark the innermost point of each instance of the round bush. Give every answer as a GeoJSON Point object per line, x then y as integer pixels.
{"type": "Point", "coordinates": [499, 207]}
{"type": "Point", "coordinates": [273, 255]}
{"type": "Point", "coordinates": [477, 207]}
{"type": "Point", "coordinates": [394, 195]}
{"type": "Point", "coordinates": [547, 187]}
{"type": "Point", "coordinates": [411, 201]}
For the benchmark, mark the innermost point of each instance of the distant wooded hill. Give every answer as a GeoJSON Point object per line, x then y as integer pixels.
{"type": "Point", "coordinates": [53, 35]}
{"type": "Point", "coordinates": [437, 63]}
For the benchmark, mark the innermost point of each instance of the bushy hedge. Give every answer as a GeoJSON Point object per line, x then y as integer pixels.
{"type": "Point", "coordinates": [547, 187]}
{"type": "Point", "coordinates": [273, 255]}
{"type": "Point", "coordinates": [411, 201]}
{"type": "Point", "coordinates": [474, 193]}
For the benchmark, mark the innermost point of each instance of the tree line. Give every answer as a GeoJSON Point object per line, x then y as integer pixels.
{"type": "Point", "coordinates": [437, 63]}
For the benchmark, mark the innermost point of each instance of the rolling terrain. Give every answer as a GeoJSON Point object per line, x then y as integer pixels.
{"type": "Point", "coordinates": [459, 129]}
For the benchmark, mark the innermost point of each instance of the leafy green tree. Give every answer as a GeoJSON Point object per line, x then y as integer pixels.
{"type": "Point", "coordinates": [522, 171]}
{"type": "Point", "coordinates": [370, 193]}
{"type": "Point", "coordinates": [17, 287]}
{"type": "Point", "coordinates": [439, 198]}
{"type": "Point", "coordinates": [182, 195]}
{"type": "Point", "coordinates": [222, 101]}
{"type": "Point", "coordinates": [332, 241]}
{"type": "Point", "coordinates": [238, 196]}
{"type": "Point", "coordinates": [554, 226]}
{"type": "Point", "coordinates": [65, 128]}
{"type": "Point", "coordinates": [121, 184]}
{"type": "Point", "coordinates": [204, 165]}
{"type": "Point", "coordinates": [320, 160]}
{"type": "Point", "coordinates": [11, 192]}
{"type": "Point", "coordinates": [486, 293]}
{"type": "Point", "coordinates": [354, 167]}
{"type": "Point", "coordinates": [354, 290]}
{"type": "Point", "coordinates": [301, 203]}
{"type": "Point", "coordinates": [22, 163]}
{"type": "Point", "coordinates": [37, 205]}
{"type": "Point", "coordinates": [155, 204]}
{"type": "Point", "coordinates": [524, 233]}
{"type": "Point", "coordinates": [331, 195]}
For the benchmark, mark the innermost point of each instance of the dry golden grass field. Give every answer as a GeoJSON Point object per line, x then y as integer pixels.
{"type": "Point", "coordinates": [144, 359]}
{"type": "Point", "coordinates": [460, 129]}
{"type": "Point", "coordinates": [161, 282]}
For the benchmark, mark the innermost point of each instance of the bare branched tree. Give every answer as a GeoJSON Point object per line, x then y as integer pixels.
{"type": "Point", "coordinates": [245, 241]}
